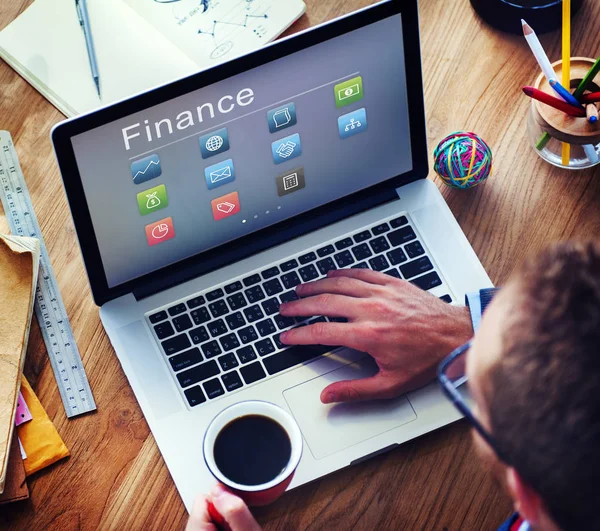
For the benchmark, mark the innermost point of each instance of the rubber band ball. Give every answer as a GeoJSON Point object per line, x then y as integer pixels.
{"type": "Point", "coordinates": [463, 160]}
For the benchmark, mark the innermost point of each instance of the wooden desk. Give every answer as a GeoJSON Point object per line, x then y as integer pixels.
{"type": "Point", "coordinates": [116, 478]}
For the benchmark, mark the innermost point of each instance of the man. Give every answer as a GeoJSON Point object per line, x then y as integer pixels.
{"type": "Point", "coordinates": [533, 370]}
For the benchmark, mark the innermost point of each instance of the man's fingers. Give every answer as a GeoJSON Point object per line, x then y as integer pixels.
{"type": "Point", "coordinates": [375, 387]}
{"type": "Point", "coordinates": [341, 285]}
{"type": "Point", "coordinates": [234, 510]}
{"type": "Point", "coordinates": [199, 518]}
{"type": "Point", "coordinates": [332, 334]}
{"type": "Point", "coordinates": [366, 275]}
{"type": "Point", "coordinates": [324, 304]}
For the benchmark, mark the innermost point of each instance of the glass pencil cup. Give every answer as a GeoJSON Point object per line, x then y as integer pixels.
{"type": "Point", "coordinates": [549, 129]}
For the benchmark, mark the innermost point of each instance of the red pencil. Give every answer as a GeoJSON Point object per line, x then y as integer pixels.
{"type": "Point", "coordinates": [546, 98]}
{"type": "Point", "coordinates": [590, 98]}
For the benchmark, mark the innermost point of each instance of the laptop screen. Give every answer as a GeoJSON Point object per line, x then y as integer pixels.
{"type": "Point", "coordinates": [252, 150]}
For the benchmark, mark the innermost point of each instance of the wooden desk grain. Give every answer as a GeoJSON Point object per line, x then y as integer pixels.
{"type": "Point", "coordinates": [116, 478]}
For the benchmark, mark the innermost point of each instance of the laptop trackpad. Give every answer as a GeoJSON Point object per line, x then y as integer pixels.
{"type": "Point", "coordinates": [330, 428]}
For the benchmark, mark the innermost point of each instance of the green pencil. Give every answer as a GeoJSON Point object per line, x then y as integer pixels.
{"type": "Point", "coordinates": [589, 77]}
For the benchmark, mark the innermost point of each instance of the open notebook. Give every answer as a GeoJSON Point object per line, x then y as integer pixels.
{"type": "Point", "coordinates": [139, 44]}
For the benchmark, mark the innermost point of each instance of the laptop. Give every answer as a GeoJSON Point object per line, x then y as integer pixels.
{"type": "Point", "coordinates": [200, 206]}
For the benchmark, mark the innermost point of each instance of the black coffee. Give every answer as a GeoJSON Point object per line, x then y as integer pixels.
{"type": "Point", "coordinates": [252, 450]}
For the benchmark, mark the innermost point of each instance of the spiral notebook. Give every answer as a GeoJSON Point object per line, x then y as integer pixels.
{"type": "Point", "coordinates": [139, 44]}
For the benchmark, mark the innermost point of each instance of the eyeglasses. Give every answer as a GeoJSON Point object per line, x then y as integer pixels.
{"type": "Point", "coordinates": [453, 379]}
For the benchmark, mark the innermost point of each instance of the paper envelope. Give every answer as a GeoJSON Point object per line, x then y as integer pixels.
{"type": "Point", "coordinates": [220, 174]}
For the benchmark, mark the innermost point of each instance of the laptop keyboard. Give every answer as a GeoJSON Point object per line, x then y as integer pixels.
{"type": "Point", "coordinates": [228, 337]}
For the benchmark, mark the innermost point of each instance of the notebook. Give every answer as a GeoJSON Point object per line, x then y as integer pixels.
{"type": "Point", "coordinates": [19, 262]}
{"type": "Point", "coordinates": [139, 44]}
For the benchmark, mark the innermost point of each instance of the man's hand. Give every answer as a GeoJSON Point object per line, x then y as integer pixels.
{"type": "Point", "coordinates": [406, 330]}
{"type": "Point", "coordinates": [232, 509]}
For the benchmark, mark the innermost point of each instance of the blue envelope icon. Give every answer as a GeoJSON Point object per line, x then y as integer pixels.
{"type": "Point", "coordinates": [219, 174]}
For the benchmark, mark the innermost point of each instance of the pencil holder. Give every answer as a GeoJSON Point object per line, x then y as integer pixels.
{"type": "Point", "coordinates": [549, 128]}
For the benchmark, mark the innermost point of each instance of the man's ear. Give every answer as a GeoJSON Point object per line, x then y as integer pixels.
{"type": "Point", "coordinates": [527, 502]}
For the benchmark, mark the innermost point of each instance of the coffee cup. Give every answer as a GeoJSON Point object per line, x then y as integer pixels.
{"type": "Point", "coordinates": [253, 448]}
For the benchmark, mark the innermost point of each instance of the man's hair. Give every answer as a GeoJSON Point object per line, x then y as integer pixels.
{"type": "Point", "coordinates": [545, 401]}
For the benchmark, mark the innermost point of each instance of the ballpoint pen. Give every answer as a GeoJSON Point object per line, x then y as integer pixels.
{"type": "Point", "coordinates": [84, 20]}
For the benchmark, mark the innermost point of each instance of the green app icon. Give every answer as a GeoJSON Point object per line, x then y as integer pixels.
{"type": "Point", "coordinates": [348, 92]}
{"type": "Point", "coordinates": [152, 199]}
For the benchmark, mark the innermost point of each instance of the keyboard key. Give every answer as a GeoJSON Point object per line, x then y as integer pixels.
{"type": "Point", "coordinates": [185, 359]}
{"type": "Point", "coordinates": [270, 273]}
{"type": "Point", "coordinates": [266, 327]}
{"type": "Point", "coordinates": [159, 316]}
{"type": "Point", "coordinates": [344, 259]}
{"type": "Point", "coordinates": [289, 296]}
{"type": "Point", "coordinates": [235, 320]}
{"type": "Point", "coordinates": [195, 302]}
{"type": "Point", "coordinates": [228, 361]}
{"type": "Point", "coordinates": [289, 265]}
{"type": "Point", "coordinates": [290, 280]}
{"type": "Point", "coordinates": [198, 373]}
{"type": "Point", "coordinates": [379, 263]}
{"type": "Point", "coordinates": [271, 306]}
{"type": "Point", "coordinates": [211, 349]}
{"type": "Point", "coordinates": [194, 396]}
{"type": "Point", "coordinates": [362, 251]}
{"type": "Point", "coordinates": [218, 308]}
{"type": "Point", "coordinates": [293, 356]}
{"type": "Point", "coordinates": [325, 251]}
{"type": "Point", "coordinates": [177, 309]}
{"type": "Point", "coordinates": [232, 288]}
{"type": "Point", "coordinates": [232, 381]}
{"type": "Point", "coordinates": [398, 222]}
{"type": "Point", "coordinates": [344, 244]}
{"type": "Point", "coordinates": [446, 298]}
{"type": "Point", "coordinates": [176, 344]}
{"type": "Point", "coordinates": [163, 330]}
{"type": "Point", "coordinates": [199, 335]}
{"type": "Point", "coordinates": [379, 245]}
{"type": "Point", "coordinates": [283, 322]}
{"type": "Point", "coordinates": [362, 236]}
{"type": "Point", "coordinates": [246, 354]}
{"type": "Point", "coordinates": [255, 294]}
{"type": "Point", "coordinates": [325, 265]}
{"type": "Point", "coordinates": [253, 372]}
{"type": "Point", "coordinates": [361, 265]}
{"type": "Point", "coordinates": [278, 344]}
{"type": "Point", "coordinates": [337, 320]}
{"type": "Point", "coordinates": [308, 273]}
{"type": "Point", "coordinates": [317, 320]}
{"type": "Point", "coordinates": [200, 316]}
{"type": "Point", "coordinates": [416, 267]}
{"type": "Point", "coordinates": [248, 334]}
{"type": "Point", "coordinates": [400, 236]}
{"type": "Point", "coordinates": [380, 229]}
{"type": "Point", "coordinates": [236, 301]}
{"type": "Point", "coordinates": [229, 342]}
{"type": "Point", "coordinates": [254, 313]}
{"type": "Point", "coordinates": [306, 258]}
{"type": "Point", "coordinates": [214, 295]}
{"type": "Point", "coordinates": [217, 328]}
{"type": "Point", "coordinates": [397, 256]}
{"type": "Point", "coordinates": [414, 249]}
{"type": "Point", "coordinates": [428, 281]}
{"type": "Point", "coordinates": [264, 347]}
{"type": "Point", "coordinates": [251, 280]}
{"type": "Point", "coordinates": [183, 322]}
{"type": "Point", "coordinates": [213, 388]}
{"type": "Point", "coordinates": [393, 273]}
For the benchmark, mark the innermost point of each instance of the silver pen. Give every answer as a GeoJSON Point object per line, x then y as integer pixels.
{"type": "Point", "coordinates": [84, 20]}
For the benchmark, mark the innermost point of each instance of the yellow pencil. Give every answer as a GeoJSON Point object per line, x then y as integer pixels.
{"type": "Point", "coordinates": [566, 65]}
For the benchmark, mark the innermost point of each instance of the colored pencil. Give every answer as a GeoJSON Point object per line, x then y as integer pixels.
{"type": "Point", "coordinates": [564, 93]}
{"type": "Point", "coordinates": [546, 98]}
{"type": "Point", "coordinates": [589, 77]}
{"type": "Point", "coordinates": [538, 51]}
{"type": "Point", "coordinates": [592, 97]}
{"type": "Point", "coordinates": [566, 65]}
{"type": "Point", "coordinates": [592, 113]}
{"type": "Point", "coordinates": [591, 153]}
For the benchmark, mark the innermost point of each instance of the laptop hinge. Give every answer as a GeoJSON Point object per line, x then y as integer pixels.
{"type": "Point", "coordinates": [270, 237]}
